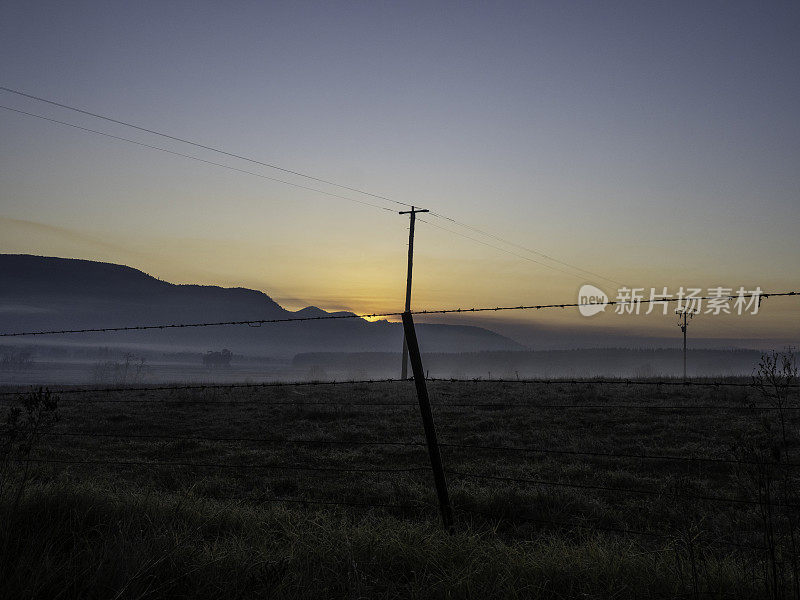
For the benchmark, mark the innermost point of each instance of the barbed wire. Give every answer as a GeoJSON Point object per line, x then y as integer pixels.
{"type": "Point", "coordinates": [280, 384]}
{"type": "Point", "coordinates": [379, 503]}
{"type": "Point", "coordinates": [440, 406]}
{"type": "Point", "coordinates": [211, 438]}
{"type": "Point", "coordinates": [252, 322]}
{"type": "Point", "coordinates": [658, 382]}
{"type": "Point", "coordinates": [202, 387]}
{"type": "Point", "coordinates": [443, 406]}
{"type": "Point", "coordinates": [413, 444]}
{"type": "Point", "coordinates": [628, 491]}
{"type": "Point", "coordinates": [761, 296]}
{"type": "Point", "coordinates": [576, 525]}
{"type": "Point", "coordinates": [216, 465]}
{"type": "Point", "coordinates": [365, 504]}
{"type": "Point", "coordinates": [259, 322]}
{"type": "Point", "coordinates": [597, 527]}
{"type": "Point", "coordinates": [385, 470]}
{"type": "Point", "coordinates": [401, 506]}
{"type": "Point", "coordinates": [626, 455]}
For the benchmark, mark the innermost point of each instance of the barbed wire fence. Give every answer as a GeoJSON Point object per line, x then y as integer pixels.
{"type": "Point", "coordinates": [463, 510]}
{"type": "Point", "coordinates": [442, 311]}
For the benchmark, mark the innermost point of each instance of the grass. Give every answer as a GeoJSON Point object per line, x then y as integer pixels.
{"type": "Point", "coordinates": [149, 531]}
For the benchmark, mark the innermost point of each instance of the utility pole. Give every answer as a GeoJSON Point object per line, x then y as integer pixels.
{"type": "Point", "coordinates": [427, 422]}
{"type": "Point", "coordinates": [683, 324]}
{"type": "Point", "coordinates": [412, 214]}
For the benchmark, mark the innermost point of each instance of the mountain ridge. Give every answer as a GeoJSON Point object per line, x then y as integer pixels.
{"type": "Point", "coordinates": [48, 293]}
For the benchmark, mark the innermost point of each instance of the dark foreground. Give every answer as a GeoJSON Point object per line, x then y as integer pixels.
{"type": "Point", "coordinates": [560, 491]}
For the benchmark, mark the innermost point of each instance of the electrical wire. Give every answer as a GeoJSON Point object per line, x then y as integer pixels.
{"type": "Point", "coordinates": [198, 145]}
{"type": "Point", "coordinates": [196, 158]}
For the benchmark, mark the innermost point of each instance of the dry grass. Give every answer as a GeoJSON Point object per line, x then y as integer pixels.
{"type": "Point", "coordinates": [147, 531]}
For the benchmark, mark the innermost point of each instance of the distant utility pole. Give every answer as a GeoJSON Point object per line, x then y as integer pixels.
{"type": "Point", "coordinates": [412, 214]}
{"type": "Point", "coordinates": [683, 324]}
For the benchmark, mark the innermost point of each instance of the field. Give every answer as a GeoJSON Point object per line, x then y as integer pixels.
{"type": "Point", "coordinates": [584, 490]}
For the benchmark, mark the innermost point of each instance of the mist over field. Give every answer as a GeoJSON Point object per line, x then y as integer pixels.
{"type": "Point", "coordinates": [31, 365]}
{"type": "Point", "coordinates": [45, 293]}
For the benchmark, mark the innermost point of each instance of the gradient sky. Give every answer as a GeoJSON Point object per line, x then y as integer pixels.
{"type": "Point", "coordinates": [656, 144]}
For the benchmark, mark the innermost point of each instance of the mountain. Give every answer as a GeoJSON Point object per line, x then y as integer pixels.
{"type": "Point", "coordinates": [48, 293]}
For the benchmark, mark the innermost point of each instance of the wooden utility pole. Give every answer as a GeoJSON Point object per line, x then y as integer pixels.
{"type": "Point", "coordinates": [427, 422]}
{"type": "Point", "coordinates": [412, 214]}
{"type": "Point", "coordinates": [683, 324]}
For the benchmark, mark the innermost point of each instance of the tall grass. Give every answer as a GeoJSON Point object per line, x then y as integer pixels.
{"type": "Point", "coordinates": [82, 541]}
{"type": "Point", "coordinates": [134, 527]}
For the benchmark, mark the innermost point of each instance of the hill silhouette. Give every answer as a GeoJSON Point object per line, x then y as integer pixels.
{"type": "Point", "coordinates": [43, 293]}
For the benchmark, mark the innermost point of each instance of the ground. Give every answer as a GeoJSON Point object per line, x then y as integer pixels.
{"type": "Point", "coordinates": [587, 490]}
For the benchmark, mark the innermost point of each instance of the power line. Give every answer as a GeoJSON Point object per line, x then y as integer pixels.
{"type": "Point", "coordinates": [238, 170]}
{"type": "Point", "coordinates": [258, 322]}
{"type": "Point", "coordinates": [499, 248]}
{"type": "Point", "coordinates": [521, 247]}
{"type": "Point", "coordinates": [283, 169]}
{"type": "Point", "coordinates": [202, 160]}
{"type": "Point", "coordinates": [199, 145]}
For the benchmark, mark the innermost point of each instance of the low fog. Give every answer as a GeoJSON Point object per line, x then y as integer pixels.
{"type": "Point", "coordinates": [97, 365]}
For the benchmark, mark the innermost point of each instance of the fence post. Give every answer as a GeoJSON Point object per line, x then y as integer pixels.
{"type": "Point", "coordinates": [427, 421]}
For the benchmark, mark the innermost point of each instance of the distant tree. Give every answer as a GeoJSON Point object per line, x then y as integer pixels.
{"type": "Point", "coordinates": [221, 359]}
{"type": "Point", "coordinates": [16, 361]}
{"type": "Point", "coordinates": [131, 371]}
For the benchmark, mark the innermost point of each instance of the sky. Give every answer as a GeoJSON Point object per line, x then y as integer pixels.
{"type": "Point", "coordinates": [645, 144]}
